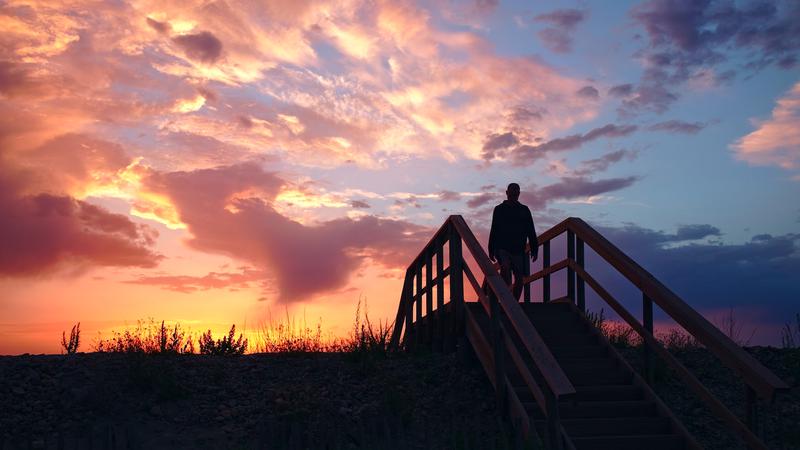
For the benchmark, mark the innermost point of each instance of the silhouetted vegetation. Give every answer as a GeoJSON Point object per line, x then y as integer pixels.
{"type": "Point", "coordinates": [71, 346]}
{"type": "Point", "coordinates": [730, 324]}
{"type": "Point", "coordinates": [148, 338]}
{"type": "Point", "coordinates": [228, 345]}
{"type": "Point", "coordinates": [790, 333]}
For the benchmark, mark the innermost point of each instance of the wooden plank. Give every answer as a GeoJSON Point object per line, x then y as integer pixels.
{"type": "Point", "coordinates": [400, 318]}
{"type": "Point", "coordinates": [550, 370]}
{"type": "Point", "coordinates": [763, 381]}
{"type": "Point", "coordinates": [439, 281]}
{"type": "Point", "coordinates": [687, 376]}
{"type": "Point", "coordinates": [545, 266]}
{"type": "Point", "coordinates": [480, 345]}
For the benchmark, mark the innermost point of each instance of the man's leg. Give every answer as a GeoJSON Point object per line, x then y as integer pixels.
{"type": "Point", "coordinates": [504, 258]}
{"type": "Point", "coordinates": [517, 267]}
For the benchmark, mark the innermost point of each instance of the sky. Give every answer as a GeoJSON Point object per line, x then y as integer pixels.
{"type": "Point", "coordinates": [222, 162]}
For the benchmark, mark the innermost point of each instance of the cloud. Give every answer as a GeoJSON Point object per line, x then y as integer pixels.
{"type": "Point", "coordinates": [558, 37]}
{"type": "Point", "coordinates": [449, 196]}
{"type": "Point", "coordinates": [44, 234]}
{"type": "Point", "coordinates": [776, 141]}
{"type": "Point", "coordinates": [588, 92]}
{"type": "Point", "coordinates": [573, 188]}
{"type": "Point", "coordinates": [602, 163]}
{"type": "Point", "coordinates": [526, 154]}
{"type": "Point", "coordinates": [621, 90]}
{"type": "Point", "coordinates": [678, 126]}
{"type": "Point", "coordinates": [757, 273]}
{"type": "Point", "coordinates": [359, 204]}
{"type": "Point", "coordinates": [690, 39]}
{"type": "Point", "coordinates": [482, 199]}
{"type": "Point", "coordinates": [228, 210]}
{"type": "Point", "coordinates": [203, 46]}
{"type": "Point", "coordinates": [498, 142]}
{"type": "Point", "coordinates": [232, 281]}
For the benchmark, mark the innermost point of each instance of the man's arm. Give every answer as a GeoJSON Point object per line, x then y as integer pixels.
{"type": "Point", "coordinates": [493, 235]}
{"type": "Point", "coordinates": [534, 241]}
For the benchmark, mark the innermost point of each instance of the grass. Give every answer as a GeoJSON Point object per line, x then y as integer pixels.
{"type": "Point", "coordinates": [291, 336]}
{"type": "Point", "coordinates": [790, 333]}
{"type": "Point", "coordinates": [71, 346]}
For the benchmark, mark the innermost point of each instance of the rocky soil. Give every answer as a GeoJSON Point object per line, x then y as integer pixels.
{"type": "Point", "coordinates": [315, 401]}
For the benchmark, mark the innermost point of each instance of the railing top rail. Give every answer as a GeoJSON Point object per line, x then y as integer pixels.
{"type": "Point", "coordinates": [761, 379]}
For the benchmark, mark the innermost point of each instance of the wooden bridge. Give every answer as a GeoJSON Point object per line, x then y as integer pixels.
{"type": "Point", "coordinates": [554, 374]}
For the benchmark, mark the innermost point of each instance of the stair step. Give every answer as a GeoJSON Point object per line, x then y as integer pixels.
{"type": "Point", "coordinates": [625, 426]}
{"type": "Point", "coordinates": [588, 362]}
{"type": "Point", "coordinates": [632, 408]}
{"type": "Point", "coordinates": [607, 393]}
{"type": "Point", "coordinates": [553, 339]}
{"type": "Point", "coordinates": [649, 442]}
{"type": "Point", "coordinates": [561, 351]}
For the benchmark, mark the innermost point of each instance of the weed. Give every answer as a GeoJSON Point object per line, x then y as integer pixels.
{"type": "Point", "coordinates": [225, 346]}
{"type": "Point", "coordinates": [71, 345]}
{"type": "Point", "coordinates": [730, 324]}
{"type": "Point", "coordinates": [148, 337]}
{"type": "Point", "coordinates": [790, 337]}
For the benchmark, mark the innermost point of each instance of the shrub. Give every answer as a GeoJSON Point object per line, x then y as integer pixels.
{"type": "Point", "coordinates": [676, 339]}
{"type": "Point", "coordinates": [71, 345]}
{"type": "Point", "coordinates": [225, 346]}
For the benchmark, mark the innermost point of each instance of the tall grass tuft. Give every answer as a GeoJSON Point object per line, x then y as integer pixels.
{"type": "Point", "coordinates": [71, 346]}
{"type": "Point", "coordinates": [367, 337]}
{"type": "Point", "coordinates": [149, 338]}
{"type": "Point", "coordinates": [790, 336]}
{"type": "Point", "coordinates": [226, 346]}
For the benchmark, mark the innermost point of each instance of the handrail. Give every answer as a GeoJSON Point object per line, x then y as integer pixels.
{"type": "Point", "coordinates": [761, 379]}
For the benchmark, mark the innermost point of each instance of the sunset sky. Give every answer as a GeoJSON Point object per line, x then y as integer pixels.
{"type": "Point", "coordinates": [217, 162]}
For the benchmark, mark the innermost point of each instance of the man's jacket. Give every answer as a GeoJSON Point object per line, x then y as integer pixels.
{"type": "Point", "coordinates": [512, 226]}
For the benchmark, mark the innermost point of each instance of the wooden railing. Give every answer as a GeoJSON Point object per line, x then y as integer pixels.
{"type": "Point", "coordinates": [548, 383]}
{"type": "Point", "coordinates": [760, 381]}
{"type": "Point", "coordinates": [440, 328]}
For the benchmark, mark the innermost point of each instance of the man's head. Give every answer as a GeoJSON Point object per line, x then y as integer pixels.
{"type": "Point", "coordinates": [512, 192]}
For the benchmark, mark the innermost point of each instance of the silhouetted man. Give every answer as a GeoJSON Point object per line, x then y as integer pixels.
{"type": "Point", "coordinates": [512, 226]}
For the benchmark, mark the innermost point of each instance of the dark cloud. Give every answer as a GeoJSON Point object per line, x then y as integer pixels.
{"type": "Point", "coordinates": [359, 204]}
{"type": "Point", "coordinates": [694, 232]}
{"type": "Point", "coordinates": [602, 163]}
{"type": "Point", "coordinates": [558, 37]}
{"type": "Point", "coordinates": [687, 37]}
{"type": "Point", "coordinates": [496, 142]}
{"type": "Point", "coordinates": [522, 114]}
{"type": "Point", "coordinates": [573, 187]}
{"type": "Point", "coordinates": [45, 233]}
{"type": "Point", "coordinates": [526, 154]}
{"type": "Point", "coordinates": [588, 92]}
{"type": "Point", "coordinates": [482, 199]}
{"type": "Point", "coordinates": [449, 196]}
{"type": "Point", "coordinates": [203, 46]}
{"type": "Point", "coordinates": [621, 90]}
{"type": "Point", "coordinates": [301, 261]}
{"type": "Point", "coordinates": [678, 126]}
{"type": "Point", "coordinates": [161, 27]}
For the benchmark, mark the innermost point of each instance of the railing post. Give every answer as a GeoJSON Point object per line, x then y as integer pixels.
{"type": "Point", "coordinates": [570, 271]}
{"type": "Point", "coordinates": [545, 265]}
{"type": "Point", "coordinates": [499, 351]}
{"type": "Point", "coordinates": [647, 322]}
{"type": "Point", "coordinates": [526, 270]}
{"type": "Point", "coordinates": [581, 286]}
{"type": "Point", "coordinates": [440, 296]}
{"type": "Point", "coordinates": [456, 285]}
{"type": "Point", "coordinates": [553, 422]}
{"type": "Point", "coordinates": [429, 300]}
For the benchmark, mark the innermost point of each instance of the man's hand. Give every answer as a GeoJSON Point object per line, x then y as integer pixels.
{"type": "Point", "coordinates": [535, 255]}
{"type": "Point", "coordinates": [493, 258]}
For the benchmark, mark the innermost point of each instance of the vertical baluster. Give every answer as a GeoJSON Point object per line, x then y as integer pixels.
{"type": "Point", "coordinates": [647, 322]}
{"type": "Point", "coordinates": [440, 294]}
{"type": "Point", "coordinates": [408, 301]}
{"type": "Point", "coordinates": [419, 329]}
{"type": "Point", "coordinates": [545, 265]}
{"type": "Point", "coordinates": [570, 271]}
{"type": "Point", "coordinates": [553, 421]}
{"type": "Point", "coordinates": [456, 284]}
{"type": "Point", "coordinates": [428, 299]}
{"type": "Point", "coordinates": [526, 270]}
{"type": "Point", "coordinates": [581, 287]}
{"type": "Point", "coordinates": [752, 411]}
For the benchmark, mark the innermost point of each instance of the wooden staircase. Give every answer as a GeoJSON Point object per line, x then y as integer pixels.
{"type": "Point", "coordinates": [555, 375]}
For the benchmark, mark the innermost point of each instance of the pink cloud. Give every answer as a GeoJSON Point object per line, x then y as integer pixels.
{"type": "Point", "coordinates": [776, 141]}
{"type": "Point", "coordinates": [225, 216]}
